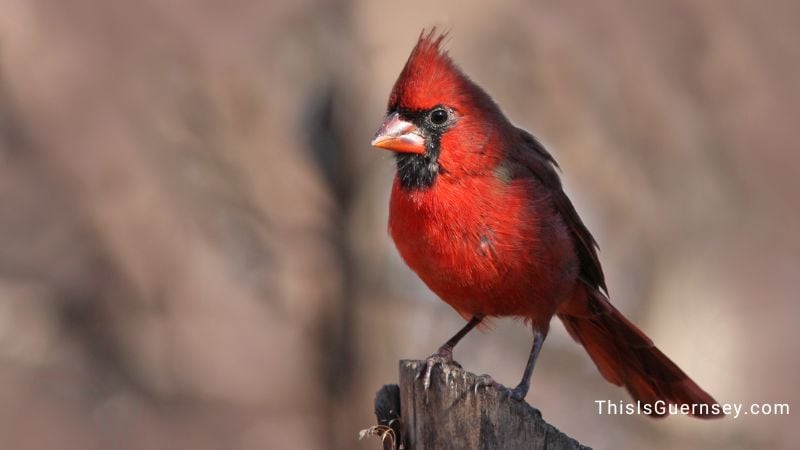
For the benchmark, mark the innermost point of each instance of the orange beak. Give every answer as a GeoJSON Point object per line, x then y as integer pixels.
{"type": "Point", "coordinates": [398, 135]}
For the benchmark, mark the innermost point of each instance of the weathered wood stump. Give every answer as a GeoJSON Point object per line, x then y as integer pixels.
{"type": "Point", "coordinates": [451, 415]}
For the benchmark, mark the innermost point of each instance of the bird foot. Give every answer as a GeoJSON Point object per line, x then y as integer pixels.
{"type": "Point", "coordinates": [485, 380]}
{"type": "Point", "coordinates": [443, 356]}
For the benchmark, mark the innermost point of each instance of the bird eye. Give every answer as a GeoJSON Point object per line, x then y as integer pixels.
{"type": "Point", "coordinates": [439, 116]}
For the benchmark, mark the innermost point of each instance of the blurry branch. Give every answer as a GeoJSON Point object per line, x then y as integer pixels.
{"type": "Point", "coordinates": [327, 147]}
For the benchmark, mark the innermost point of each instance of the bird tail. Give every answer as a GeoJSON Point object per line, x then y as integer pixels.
{"type": "Point", "coordinates": [627, 357]}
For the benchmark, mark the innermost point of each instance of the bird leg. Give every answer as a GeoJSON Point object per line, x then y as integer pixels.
{"type": "Point", "coordinates": [519, 392]}
{"type": "Point", "coordinates": [445, 353]}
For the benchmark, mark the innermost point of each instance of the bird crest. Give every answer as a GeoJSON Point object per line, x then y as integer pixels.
{"type": "Point", "coordinates": [428, 76]}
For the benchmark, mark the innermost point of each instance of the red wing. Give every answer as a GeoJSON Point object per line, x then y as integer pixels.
{"type": "Point", "coordinates": [543, 166]}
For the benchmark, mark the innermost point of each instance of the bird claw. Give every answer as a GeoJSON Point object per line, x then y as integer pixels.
{"type": "Point", "coordinates": [517, 394]}
{"type": "Point", "coordinates": [486, 380]}
{"type": "Point", "coordinates": [444, 357]}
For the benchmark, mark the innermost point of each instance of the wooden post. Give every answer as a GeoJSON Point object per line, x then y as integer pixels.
{"type": "Point", "coordinates": [450, 415]}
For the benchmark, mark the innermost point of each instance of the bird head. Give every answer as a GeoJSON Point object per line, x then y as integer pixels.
{"type": "Point", "coordinates": [438, 120]}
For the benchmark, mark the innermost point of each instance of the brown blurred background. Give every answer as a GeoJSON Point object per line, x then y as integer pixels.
{"type": "Point", "coordinates": [192, 239]}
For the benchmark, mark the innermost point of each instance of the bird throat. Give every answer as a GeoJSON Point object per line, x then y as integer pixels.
{"type": "Point", "coordinates": [416, 172]}
{"type": "Point", "coordinates": [419, 171]}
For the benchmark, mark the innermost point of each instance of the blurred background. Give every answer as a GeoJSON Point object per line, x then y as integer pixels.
{"type": "Point", "coordinates": [193, 246]}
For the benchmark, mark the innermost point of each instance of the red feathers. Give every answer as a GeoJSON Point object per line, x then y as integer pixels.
{"type": "Point", "coordinates": [430, 75]}
{"type": "Point", "coordinates": [428, 70]}
{"type": "Point", "coordinates": [478, 212]}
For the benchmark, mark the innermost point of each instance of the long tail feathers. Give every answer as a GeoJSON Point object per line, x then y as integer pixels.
{"type": "Point", "coordinates": [627, 357]}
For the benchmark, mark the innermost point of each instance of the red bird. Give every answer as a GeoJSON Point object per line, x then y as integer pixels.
{"type": "Point", "coordinates": [478, 212]}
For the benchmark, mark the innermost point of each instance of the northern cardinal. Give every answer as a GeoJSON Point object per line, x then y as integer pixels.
{"type": "Point", "coordinates": [478, 212]}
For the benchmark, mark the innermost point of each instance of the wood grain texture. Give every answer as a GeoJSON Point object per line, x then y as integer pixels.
{"type": "Point", "coordinates": [450, 415]}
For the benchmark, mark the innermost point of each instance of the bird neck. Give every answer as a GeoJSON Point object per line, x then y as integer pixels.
{"type": "Point", "coordinates": [417, 172]}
